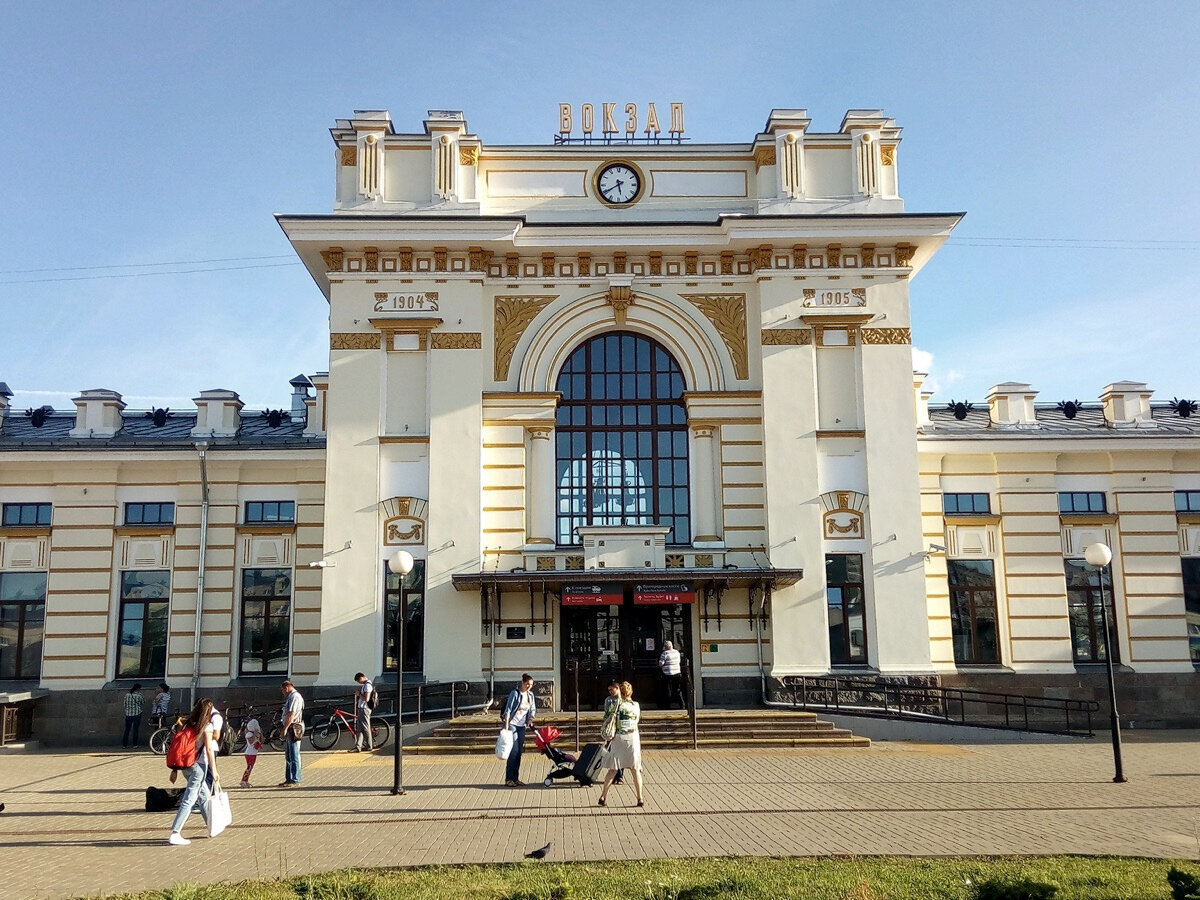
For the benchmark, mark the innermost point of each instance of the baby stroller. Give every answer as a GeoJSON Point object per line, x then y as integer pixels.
{"type": "Point", "coordinates": [583, 769]}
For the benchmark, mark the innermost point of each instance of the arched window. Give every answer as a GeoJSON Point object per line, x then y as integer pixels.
{"type": "Point", "coordinates": [621, 438]}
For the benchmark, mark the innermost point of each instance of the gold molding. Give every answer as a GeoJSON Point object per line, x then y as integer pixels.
{"type": "Point", "coordinates": [764, 156]}
{"type": "Point", "coordinates": [510, 317]}
{"type": "Point", "coordinates": [334, 259]}
{"type": "Point", "coordinates": [904, 255]}
{"type": "Point", "coordinates": [619, 297]}
{"type": "Point", "coordinates": [457, 340]}
{"type": "Point", "coordinates": [727, 312]}
{"type": "Point", "coordinates": [887, 154]}
{"type": "Point", "coordinates": [354, 341]}
{"type": "Point", "coordinates": [468, 155]}
{"type": "Point", "coordinates": [786, 337]}
{"type": "Point", "coordinates": [349, 156]}
{"type": "Point", "coordinates": [886, 335]}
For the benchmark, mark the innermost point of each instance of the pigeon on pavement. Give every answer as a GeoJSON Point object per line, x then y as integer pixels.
{"type": "Point", "coordinates": [540, 853]}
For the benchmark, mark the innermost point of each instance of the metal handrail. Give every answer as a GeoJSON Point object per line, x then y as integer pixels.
{"type": "Point", "coordinates": [943, 705]}
{"type": "Point", "coordinates": [326, 707]}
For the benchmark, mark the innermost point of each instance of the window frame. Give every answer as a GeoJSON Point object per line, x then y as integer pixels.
{"type": "Point", "coordinates": [22, 606]}
{"type": "Point", "coordinates": [1090, 604]}
{"type": "Point", "coordinates": [974, 511]}
{"type": "Point", "coordinates": [1072, 497]}
{"type": "Point", "coordinates": [970, 592]}
{"type": "Point", "coordinates": [19, 508]}
{"type": "Point", "coordinates": [414, 635]}
{"type": "Point", "coordinates": [147, 666]}
{"type": "Point", "coordinates": [262, 518]}
{"type": "Point", "coordinates": [265, 652]}
{"type": "Point", "coordinates": [1191, 502]}
{"type": "Point", "coordinates": [847, 642]}
{"type": "Point", "coordinates": [1190, 566]}
{"type": "Point", "coordinates": [160, 505]}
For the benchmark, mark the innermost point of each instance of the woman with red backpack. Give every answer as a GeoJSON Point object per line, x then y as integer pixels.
{"type": "Point", "coordinates": [193, 750]}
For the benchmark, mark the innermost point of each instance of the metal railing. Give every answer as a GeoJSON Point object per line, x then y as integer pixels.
{"type": "Point", "coordinates": [941, 705]}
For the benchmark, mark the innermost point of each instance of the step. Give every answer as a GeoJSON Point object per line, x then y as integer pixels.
{"type": "Point", "coordinates": [851, 741]}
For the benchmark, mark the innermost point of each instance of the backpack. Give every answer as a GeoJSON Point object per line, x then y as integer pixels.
{"type": "Point", "coordinates": [183, 751]}
{"type": "Point", "coordinates": [373, 699]}
{"type": "Point", "coordinates": [160, 800]}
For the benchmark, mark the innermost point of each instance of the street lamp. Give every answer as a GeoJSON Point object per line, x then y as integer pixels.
{"type": "Point", "coordinates": [1099, 555]}
{"type": "Point", "coordinates": [400, 563]}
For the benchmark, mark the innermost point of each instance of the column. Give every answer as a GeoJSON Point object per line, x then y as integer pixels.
{"type": "Point", "coordinates": [704, 494]}
{"type": "Point", "coordinates": [539, 486]}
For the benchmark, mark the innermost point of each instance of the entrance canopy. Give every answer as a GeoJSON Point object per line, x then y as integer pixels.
{"type": "Point", "coordinates": [700, 580]}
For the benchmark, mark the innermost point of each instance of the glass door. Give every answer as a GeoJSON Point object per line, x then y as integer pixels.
{"type": "Point", "coordinates": [591, 637]}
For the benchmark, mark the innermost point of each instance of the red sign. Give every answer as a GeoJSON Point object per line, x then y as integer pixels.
{"type": "Point", "coordinates": [682, 592]}
{"type": "Point", "coordinates": [592, 594]}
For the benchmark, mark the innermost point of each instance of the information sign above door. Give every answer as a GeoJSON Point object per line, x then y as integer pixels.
{"type": "Point", "coordinates": [679, 592]}
{"type": "Point", "coordinates": [592, 595]}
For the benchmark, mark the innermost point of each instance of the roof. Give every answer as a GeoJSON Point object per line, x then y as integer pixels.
{"type": "Point", "coordinates": [1052, 422]}
{"type": "Point", "coordinates": [138, 431]}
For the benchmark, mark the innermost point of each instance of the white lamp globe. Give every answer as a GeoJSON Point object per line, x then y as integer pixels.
{"type": "Point", "coordinates": [1098, 555]}
{"type": "Point", "coordinates": [400, 563]}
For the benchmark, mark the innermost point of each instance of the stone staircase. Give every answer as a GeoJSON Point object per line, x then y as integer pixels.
{"type": "Point", "coordinates": [717, 729]}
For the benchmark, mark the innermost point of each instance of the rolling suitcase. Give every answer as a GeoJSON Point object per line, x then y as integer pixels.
{"type": "Point", "coordinates": [590, 768]}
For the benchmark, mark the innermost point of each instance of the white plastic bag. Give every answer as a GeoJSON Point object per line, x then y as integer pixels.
{"type": "Point", "coordinates": [219, 814]}
{"type": "Point", "coordinates": [504, 743]}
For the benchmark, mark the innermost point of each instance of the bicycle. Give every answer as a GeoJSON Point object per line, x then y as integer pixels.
{"type": "Point", "coordinates": [328, 733]}
{"type": "Point", "coordinates": [160, 739]}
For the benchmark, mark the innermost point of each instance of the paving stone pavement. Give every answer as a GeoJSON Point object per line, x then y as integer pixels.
{"type": "Point", "coordinates": [75, 825]}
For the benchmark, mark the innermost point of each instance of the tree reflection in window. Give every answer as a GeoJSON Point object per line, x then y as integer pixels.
{"type": "Point", "coordinates": [621, 438]}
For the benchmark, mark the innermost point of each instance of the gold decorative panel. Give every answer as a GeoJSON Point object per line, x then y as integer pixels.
{"type": "Point", "coordinates": [904, 255]}
{"type": "Point", "coordinates": [887, 154]}
{"type": "Point", "coordinates": [727, 312]}
{"type": "Point", "coordinates": [349, 156]}
{"type": "Point", "coordinates": [468, 156]}
{"type": "Point", "coordinates": [574, 563]}
{"type": "Point", "coordinates": [704, 560]}
{"type": "Point", "coordinates": [334, 259]}
{"type": "Point", "coordinates": [354, 341]}
{"type": "Point", "coordinates": [886, 335]}
{"type": "Point", "coordinates": [619, 297]}
{"type": "Point", "coordinates": [674, 560]}
{"type": "Point", "coordinates": [511, 316]}
{"type": "Point", "coordinates": [372, 258]}
{"type": "Point", "coordinates": [786, 337]}
{"type": "Point", "coordinates": [545, 563]}
{"type": "Point", "coordinates": [843, 519]}
{"type": "Point", "coordinates": [764, 156]}
{"type": "Point", "coordinates": [457, 340]}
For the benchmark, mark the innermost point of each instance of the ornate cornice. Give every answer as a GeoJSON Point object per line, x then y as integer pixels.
{"type": "Point", "coordinates": [886, 335]}
{"type": "Point", "coordinates": [335, 258]}
{"type": "Point", "coordinates": [511, 316]}
{"type": "Point", "coordinates": [354, 341]}
{"type": "Point", "coordinates": [457, 340]}
{"type": "Point", "coordinates": [727, 312]}
{"type": "Point", "coordinates": [786, 337]}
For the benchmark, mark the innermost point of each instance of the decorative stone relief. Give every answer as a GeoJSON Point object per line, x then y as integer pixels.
{"type": "Point", "coordinates": [886, 335]}
{"type": "Point", "coordinates": [619, 297]}
{"type": "Point", "coordinates": [887, 154]}
{"type": "Point", "coordinates": [843, 519]}
{"type": "Point", "coordinates": [764, 156]}
{"type": "Point", "coordinates": [786, 337]}
{"type": "Point", "coordinates": [349, 156]}
{"type": "Point", "coordinates": [457, 340]}
{"type": "Point", "coordinates": [335, 258]}
{"type": "Point", "coordinates": [511, 316]}
{"type": "Point", "coordinates": [727, 312]}
{"type": "Point", "coordinates": [354, 341]}
{"type": "Point", "coordinates": [468, 155]}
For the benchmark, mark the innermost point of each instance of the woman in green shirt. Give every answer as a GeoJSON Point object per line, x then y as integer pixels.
{"type": "Point", "coordinates": [625, 749]}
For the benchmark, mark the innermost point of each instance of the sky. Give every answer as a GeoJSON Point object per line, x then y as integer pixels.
{"type": "Point", "coordinates": [146, 148]}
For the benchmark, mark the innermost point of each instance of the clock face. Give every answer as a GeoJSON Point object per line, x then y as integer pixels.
{"type": "Point", "coordinates": [618, 184]}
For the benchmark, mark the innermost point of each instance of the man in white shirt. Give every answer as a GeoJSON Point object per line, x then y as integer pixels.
{"type": "Point", "coordinates": [293, 714]}
{"type": "Point", "coordinates": [671, 664]}
{"type": "Point", "coordinates": [362, 713]}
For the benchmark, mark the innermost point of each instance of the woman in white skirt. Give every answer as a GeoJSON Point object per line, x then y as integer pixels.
{"type": "Point", "coordinates": [625, 749]}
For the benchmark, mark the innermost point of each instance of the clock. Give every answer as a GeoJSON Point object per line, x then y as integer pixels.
{"type": "Point", "coordinates": [619, 183]}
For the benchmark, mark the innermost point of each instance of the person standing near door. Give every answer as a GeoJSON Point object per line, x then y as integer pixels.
{"type": "Point", "coordinates": [518, 714]}
{"type": "Point", "coordinates": [671, 664]}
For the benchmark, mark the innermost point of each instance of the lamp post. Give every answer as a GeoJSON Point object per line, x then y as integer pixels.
{"type": "Point", "coordinates": [399, 563]}
{"type": "Point", "coordinates": [1099, 555]}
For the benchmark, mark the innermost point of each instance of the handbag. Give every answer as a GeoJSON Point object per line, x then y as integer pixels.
{"type": "Point", "coordinates": [219, 816]}
{"type": "Point", "coordinates": [295, 731]}
{"type": "Point", "coordinates": [608, 728]}
{"type": "Point", "coordinates": [504, 743]}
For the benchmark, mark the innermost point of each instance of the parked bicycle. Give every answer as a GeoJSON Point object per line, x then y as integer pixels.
{"type": "Point", "coordinates": [160, 738]}
{"type": "Point", "coordinates": [324, 735]}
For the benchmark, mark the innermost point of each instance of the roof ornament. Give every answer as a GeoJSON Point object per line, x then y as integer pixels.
{"type": "Point", "coordinates": [274, 417]}
{"type": "Point", "coordinates": [960, 408]}
{"type": "Point", "coordinates": [1183, 408]}
{"type": "Point", "coordinates": [37, 417]}
{"type": "Point", "coordinates": [1070, 408]}
{"type": "Point", "coordinates": [159, 416]}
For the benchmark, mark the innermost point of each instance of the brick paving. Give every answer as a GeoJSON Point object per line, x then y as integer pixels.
{"type": "Point", "coordinates": [75, 824]}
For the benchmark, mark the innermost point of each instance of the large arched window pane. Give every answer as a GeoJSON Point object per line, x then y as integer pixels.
{"type": "Point", "coordinates": [619, 391]}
